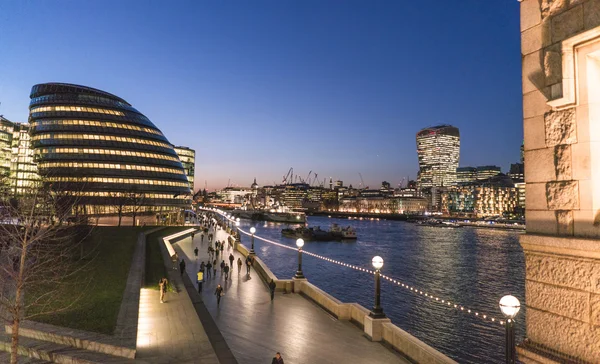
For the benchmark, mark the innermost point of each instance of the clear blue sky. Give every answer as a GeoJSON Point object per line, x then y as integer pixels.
{"type": "Point", "coordinates": [257, 87]}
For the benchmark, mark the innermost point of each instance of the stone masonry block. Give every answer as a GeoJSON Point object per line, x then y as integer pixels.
{"type": "Point", "coordinates": [565, 335]}
{"type": "Point", "coordinates": [562, 195]}
{"type": "Point", "coordinates": [591, 14]}
{"type": "Point", "coordinates": [536, 196]}
{"type": "Point", "coordinates": [531, 14]}
{"type": "Point", "coordinates": [567, 24]}
{"type": "Point", "coordinates": [595, 309]}
{"type": "Point", "coordinates": [582, 274]}
{"type": "Point", "coordinates": [580, 161]}
{"type": "Point", "coordinates": [539, 165]}
{"type": "Point", "coordinates": [534, 104]}
{"type": "Point", "coordinates": [532, 71]}
{"type": "Point", "coordinates": [587, 225]}
{"type": "Point", "coordinates": [553, 64]}
{"type": "Point", "coordinates": [541, 222]}
{"type": "Point", "coordinates": [534, 38]}
{"type": "Point", "coordinates": [562, 162]}
{"type": "Point", "coordinates": [560, 127]}
{"type": "Point", "coordinates": [564, 220]}
{"type": "Point", "coordinates": [534, 133]}
{"type": "Point", "coordinates": [552, 7]}
{"type": "Point", "coordinates": [561, 301]}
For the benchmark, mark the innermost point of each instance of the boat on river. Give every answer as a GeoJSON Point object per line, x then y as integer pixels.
{"type": "Point", "coordinates": [290, 217]}
{"type": "Point", "coordinates": [438, 223]}
{"type": "Point", "coordinates": [317, 234]}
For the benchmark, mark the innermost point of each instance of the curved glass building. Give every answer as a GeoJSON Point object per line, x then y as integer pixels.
{"type": "Point", "coordinates": [98, 146]}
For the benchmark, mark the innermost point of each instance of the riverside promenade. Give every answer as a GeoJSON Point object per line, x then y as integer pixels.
{"type": "Point", "coordinates": [256, 328]}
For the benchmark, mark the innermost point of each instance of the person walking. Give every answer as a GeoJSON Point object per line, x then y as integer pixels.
{"type": "Point", "coordinates": [239, 262]}
{"type": "Point", "coordinates": [248, 265]}
{"type": "Point", "coordinates": [215, 268]}
{"type": "Point", "coordinates": [226, 270]}
{"type": "Point", "coordinates": [175, 260]}
{"type": "Point", "coordinates": [231, 259]}
{"type": "Point", "coordinates": [222, 246]}
{"type": "Point", "coordinates": [219, 293]}
{"type": "Point", "coordinates": [222, 267]}
{"type": "Point", "coordinates": [200, 277]}
{"type": "Point", "coordinates": [202, 266]}
{"type": "Point", "coordinates": [181, 267]}
{"type": "Point", "coordinates": [196, 253]}
{"type": "Point", "coordinates": [272, 287]}
{"type": "Point", "coordinates": [277, 359]}
{"type": "Point", "coordinates": [193, 236]}
{"type": "Point", "coordinates": [162, 286]}
{"type": "Point", "coordinates": [202, 238]}
{"type": "Point", "coordinates": [208, 271]}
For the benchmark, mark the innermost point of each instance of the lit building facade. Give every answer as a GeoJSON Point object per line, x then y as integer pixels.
{"type": "Point", "coordinates": [187, 157]}
{"type": "Point", "coordinates": [438, 150]}
{"type": "Point", "coordinates": [6, 134]}
{"type": "Point", "coordinates": [493, 197]}
{"type": "Point", "coordinates": [384, 205]}
{"type": "Point", "coordinates": [96, 145]}
{"type": "Point", "coordinates": [485, 172]}
{"type": "Point", "coordinates": [466, 174]}
{"type": "Point", "coordinates": [23, 169]}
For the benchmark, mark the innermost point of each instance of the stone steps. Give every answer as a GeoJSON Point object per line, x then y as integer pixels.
{"type": "Point", "coordinates": [57, 353]}
{"type": "Point", "coordinates": [5, 358]}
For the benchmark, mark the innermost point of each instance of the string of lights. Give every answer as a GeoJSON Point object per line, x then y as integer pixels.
{"type": "Point", "coordinates": [419, 292]}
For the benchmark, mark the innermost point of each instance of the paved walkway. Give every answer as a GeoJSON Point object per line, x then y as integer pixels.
{"type": "Point", "coordinates": [171, 332]}
{"type": "Point", "coordinates": [255, 328]}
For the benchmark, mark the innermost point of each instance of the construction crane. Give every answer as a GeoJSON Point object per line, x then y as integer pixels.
{"type": "Point", "coordinates": [289, 176]}
{"type": "Point", "coordinates": [362, 181]}
{"type": "Point", "coordinates": [307, 178]}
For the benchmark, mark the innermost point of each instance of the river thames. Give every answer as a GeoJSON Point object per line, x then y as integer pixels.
{"type": "Point", "coordinates": [473, 267]}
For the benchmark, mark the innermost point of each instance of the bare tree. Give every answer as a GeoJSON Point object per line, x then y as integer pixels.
{"type": "Point", "coordinates": [135, 199]}
{"type": "Point", "coordinates": [120, 201]}
{"type": "Point", "coordinates": [39, 256]}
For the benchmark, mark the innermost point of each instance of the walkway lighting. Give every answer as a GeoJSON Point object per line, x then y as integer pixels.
{"type": "Point", "coordinates": [377, 311]}
{"type": "Point", "coordinates": [252, 231]}
{"type": "Point", "coordinates": [510, 306]}
{"type": "Point", "coordinates": [299, 244]}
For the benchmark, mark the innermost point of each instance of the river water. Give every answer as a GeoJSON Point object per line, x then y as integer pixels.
{"type": "Point", "coordinates": [473, 267]}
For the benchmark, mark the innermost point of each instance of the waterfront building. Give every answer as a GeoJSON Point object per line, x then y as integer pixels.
{"type": "Point", "coordinates": [407, 192]}
{"type": "Point", "coordinates": [234, 195]}
{"type": "Point", "coordinates": [466, 174]}
{"type": "Point", "coordinates": [495, 196]}
{"type": "Point", "coordinates": [23, 169]}
{"type": "Point", "coordinates": [96, 145]}
{"type": "Point", "coordinates": [438, 151]}
{"type": "Point", "coordinates": [560, 51]}
{"type": "Point", "coordinates": [384, 205]}
{"type": "Point", "coordinates": [6, 134]}
{"type": "Point", "coordinates": [187, 156]}
{"type": "Point", "coordinates": [485, 172]}
{"type": "Point", "coordinates": [517, 172]}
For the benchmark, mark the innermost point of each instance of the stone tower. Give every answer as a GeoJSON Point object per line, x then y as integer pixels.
{"type": "Point", "coordinates": [560, 46]}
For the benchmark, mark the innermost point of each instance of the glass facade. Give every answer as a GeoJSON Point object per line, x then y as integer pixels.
{"type": "Point", "coordinates": [187, 157]}
{"type": "Point", "coordinates": [438, 150]}
{"type": "Point", "coordinates": [99, 147]}
{"type": "Point", "coordinates": [23, 169]}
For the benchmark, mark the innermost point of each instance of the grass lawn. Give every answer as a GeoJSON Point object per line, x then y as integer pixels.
{"type": "Point", "coordinates": [155, 267]}
{"type": "Point", "coordinates": [98, 309]}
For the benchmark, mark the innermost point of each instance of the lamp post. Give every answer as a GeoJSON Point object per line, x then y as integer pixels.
{"type": "Point", "coordinates": [377, 311]}
{"type": "Point", "coordinates": [510, 306]}
{"type": "Point", "coordinates": [299, 244]}
{"type": "Point", "coordinates": [252, 231]}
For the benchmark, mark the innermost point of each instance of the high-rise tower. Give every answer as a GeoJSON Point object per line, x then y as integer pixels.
{"type": "Point", "coordinates": [438, 150]}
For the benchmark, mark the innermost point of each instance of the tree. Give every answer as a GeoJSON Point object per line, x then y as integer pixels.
{"type": "Point", "coordinates": [135, 199]}
{"type": "Point", "coordinates": [38, 255]}
{"type": "Point", "coordinates": [120, 201]}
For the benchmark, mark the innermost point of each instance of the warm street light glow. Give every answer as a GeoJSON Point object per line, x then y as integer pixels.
{"type": "Point", "coordinates": [510, 306]}
{"type": "Point", "coordinates": [252, 230]}
{"type": "Point", "coordinates": [237, 223]}
{"type": "Point", "coordinates": [299, 243]}
{"type": "Point", "coordinates": [377, 262]}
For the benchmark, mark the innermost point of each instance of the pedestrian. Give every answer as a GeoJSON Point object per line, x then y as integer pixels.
{"type": "Point", "coordinates": [202, 238]}
{"type": "Point", "coordinates": [248, 265]}
{"type": "Point", "coordinates": [226, 270]}
{"type": "Point", "coordinates": [175, 260]}
{"type": "Point", "coordinates": [215, 267]}
{"type": "Point", "coordinates": [193, 235]}
{"type": "Point", "coordinates": [208, 271]}
{"type": "Point", "coordinates": [272, 286]}
{"type": "Point", "coordinates": [239, 265]}
{"type": "Point", "coordinates": [162, 286]}
{"type": "Point", "coordinates": [202, 266]}
{"type": "Point", "coordinates": [277, 359]}
{"type": "Point", "coordinates": [182, 267]}
{"type": "Point", "coordinates": [222, 246]}
{"type": "Point", "coordinates": [196, 253]}
{"type": "Point", "coordinates": [200, 278]}
{"type": "Point", "coordinates": [231, 259]}
{"type": "Point", "coordinates": [222, 266]}
{"type": "Point", "coordinates": [219, 293]}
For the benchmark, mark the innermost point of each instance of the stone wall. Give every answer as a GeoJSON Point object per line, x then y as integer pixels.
{"type": "Point", "coordinates": [562, 174]}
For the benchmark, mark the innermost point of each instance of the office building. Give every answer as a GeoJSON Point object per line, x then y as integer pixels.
{"type": "Point", "coordinates": [492, 197]}
{"type": "Point", "coordinates": [23, 169]}
{"type": "Point", "coordinates": [187, 157]}
{"type": "Point", "coordinates": [438, 151]}
{"type": "Point", "coordinates": [96, 145]}
{"type": "Point", "coordinates": [485, 172]}
{"type": "Point", "coordinates": [466, 174]}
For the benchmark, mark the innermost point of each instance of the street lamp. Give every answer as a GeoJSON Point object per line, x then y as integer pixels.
{"type": "Point", "coordinates": [510, 306]}
{"type": "Point", "coordinates": [377, 311]}
{"type": "Point", "coordinates": [252, 231]}
{"type": "Point", "coordinates": [299, 244]}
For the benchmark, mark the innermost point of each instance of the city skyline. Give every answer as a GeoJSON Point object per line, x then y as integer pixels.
{"type": "Point", "coordinates": [254, 97]}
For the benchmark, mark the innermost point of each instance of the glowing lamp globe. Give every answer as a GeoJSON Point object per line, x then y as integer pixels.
{"type": "Point", "coordinates": [510, 306]}
{"type": "Point", "coordinates": [252, 230]}
{"type": "Point", "coordinates": [237, 223]}
{"type": "Point", "coordinates": [238, 219]}
{"type": "Point", "coordinates": [377, 262]}
{"type": "Point", "coordinates": [299, 243]}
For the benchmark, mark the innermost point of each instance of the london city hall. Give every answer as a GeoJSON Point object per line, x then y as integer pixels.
{"type": "Point", "coordinates": [99, 147]}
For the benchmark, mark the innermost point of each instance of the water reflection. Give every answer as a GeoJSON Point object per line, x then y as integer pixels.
{"type": "Point", "coordinates": [470, 266]}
